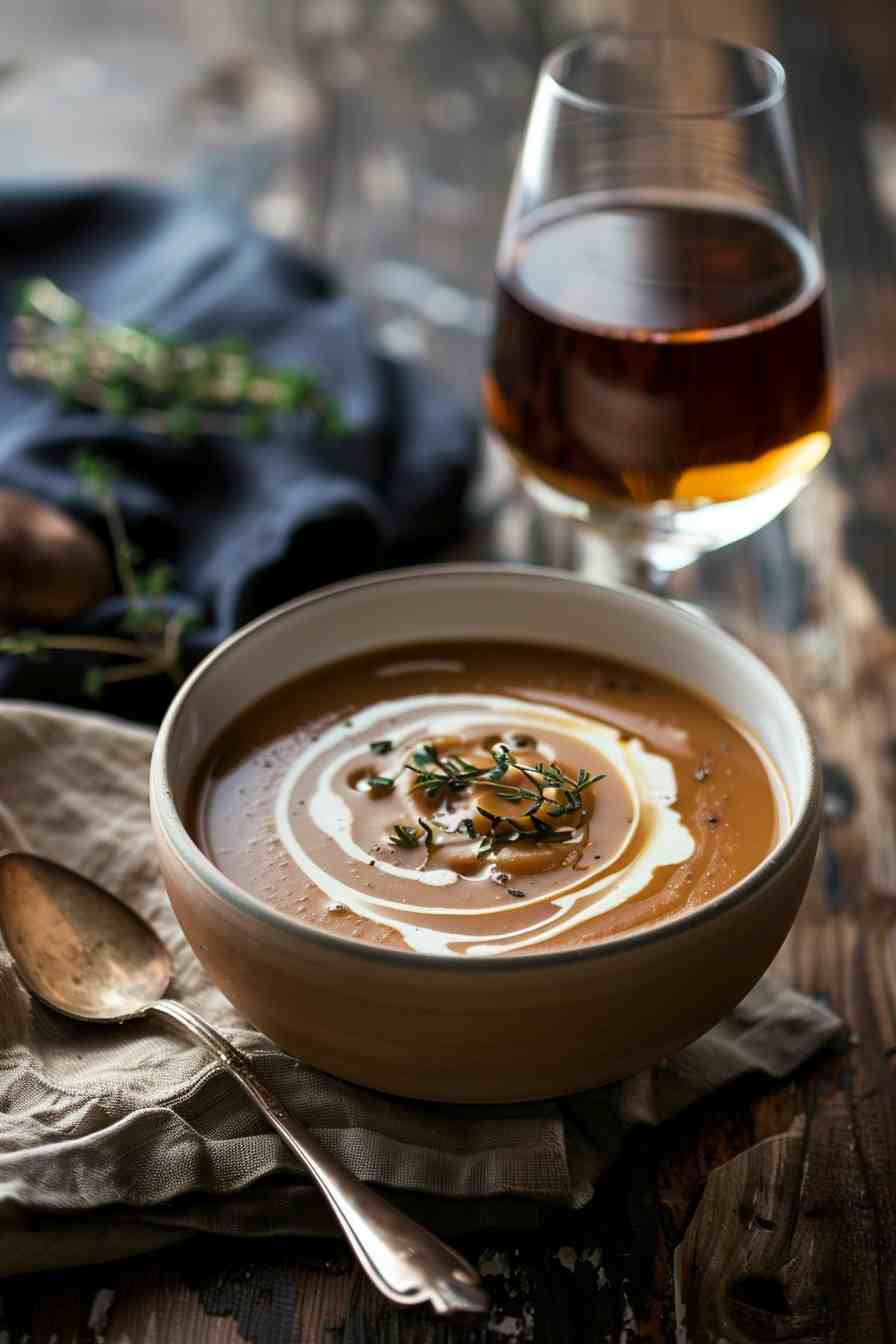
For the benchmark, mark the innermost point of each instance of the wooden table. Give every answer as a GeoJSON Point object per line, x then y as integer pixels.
{"type": "Point", "coordinates": [382, 132]}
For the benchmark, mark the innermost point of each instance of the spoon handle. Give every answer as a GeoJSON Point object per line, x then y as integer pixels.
{"type": "Point", "coordinates": [407, 1263]}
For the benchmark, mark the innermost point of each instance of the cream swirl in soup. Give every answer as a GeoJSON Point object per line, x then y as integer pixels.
{"type": "Point", "coordinates": [477, 800]}
{"type": "Point", "coordinates": [437, 886]}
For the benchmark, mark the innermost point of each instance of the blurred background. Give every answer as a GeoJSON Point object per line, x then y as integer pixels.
{"type": "Point", "coordinates": [383, 132]}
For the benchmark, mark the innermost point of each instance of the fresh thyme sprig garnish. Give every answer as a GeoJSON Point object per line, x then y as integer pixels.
{"type": "Point", "coordinates": [409, 837]}
{"type": "Point", "coordinates": [405, 837]}
{"type": "Point", "coordinates": [438, 774]}
{"type": "Point", "coordinates": [179, 388]}
{"type": "Point", "coordinates": [150, 639]}
{"type": "Point", "coordinates": [435, 773]}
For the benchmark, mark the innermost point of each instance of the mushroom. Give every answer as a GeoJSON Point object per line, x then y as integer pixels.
{"type": "Point", "coordinates": [51, 567]}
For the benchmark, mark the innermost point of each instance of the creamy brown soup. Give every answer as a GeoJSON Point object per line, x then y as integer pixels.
{"type": "Point", "coordinates": [481, 799]}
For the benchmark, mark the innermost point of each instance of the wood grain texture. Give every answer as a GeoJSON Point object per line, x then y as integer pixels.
{"type": "Point", "coordinates": [384, 133]}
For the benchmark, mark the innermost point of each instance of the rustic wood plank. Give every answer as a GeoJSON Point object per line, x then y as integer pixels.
{"type": "Point", "coordinates": [749, 1240]}
{"type": "Point", "coordinates": [831, 1185]}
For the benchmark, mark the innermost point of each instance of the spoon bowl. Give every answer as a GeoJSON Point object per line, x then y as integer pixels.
{"type": "Point", "coordinates": [82, 952]}
{"type": "Point", "coordinates": [77, 948]}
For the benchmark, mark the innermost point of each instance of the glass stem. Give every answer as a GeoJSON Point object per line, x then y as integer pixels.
{"type": "Point", "coordinates": [600, 561]}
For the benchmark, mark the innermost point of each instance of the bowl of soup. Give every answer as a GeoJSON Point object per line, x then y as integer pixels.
{"type": "Point", "coordinates": [484, 834]}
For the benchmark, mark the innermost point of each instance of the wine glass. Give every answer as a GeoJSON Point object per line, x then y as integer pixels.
{"type": "Point", "coordinates": [658, 367]}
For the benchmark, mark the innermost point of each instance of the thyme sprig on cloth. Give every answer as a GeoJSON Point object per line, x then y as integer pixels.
{"type": "Point", "coordinates": [150, 640]}
{"type": "Point", "coordinates": [176, 387]}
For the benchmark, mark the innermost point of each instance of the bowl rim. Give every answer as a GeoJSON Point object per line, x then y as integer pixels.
{"type": "Point", "coordinates": [222, 887]}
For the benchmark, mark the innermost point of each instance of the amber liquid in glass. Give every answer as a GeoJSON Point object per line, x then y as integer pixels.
{"type": "Point", "coordinates": [649, 349]}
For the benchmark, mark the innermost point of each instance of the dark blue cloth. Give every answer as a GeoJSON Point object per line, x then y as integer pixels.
{"type": "Point", "coordinates": [245, 524]}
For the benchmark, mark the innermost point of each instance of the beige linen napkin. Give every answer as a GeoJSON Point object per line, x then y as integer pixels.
{"type": "Point", "coordinates": [116, 1139]}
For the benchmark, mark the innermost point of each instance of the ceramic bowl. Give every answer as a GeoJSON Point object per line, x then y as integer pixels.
{"type": "Point", "coordinates": [475, 1030]}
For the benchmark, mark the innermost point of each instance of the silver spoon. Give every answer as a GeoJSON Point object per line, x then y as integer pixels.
{"type": "Point", "coordinates": [85, 954]}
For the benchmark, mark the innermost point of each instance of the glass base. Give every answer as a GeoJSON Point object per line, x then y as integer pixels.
{"type": "Point", "coordinates": [645, 542]}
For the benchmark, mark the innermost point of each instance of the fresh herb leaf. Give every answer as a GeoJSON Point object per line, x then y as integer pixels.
{"type": "Point", "coordinates": [92, 682]}
{"type": "Point", "coordinates": [515, 795]}
{"type": "Point", "coordinates": [404, 837]}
